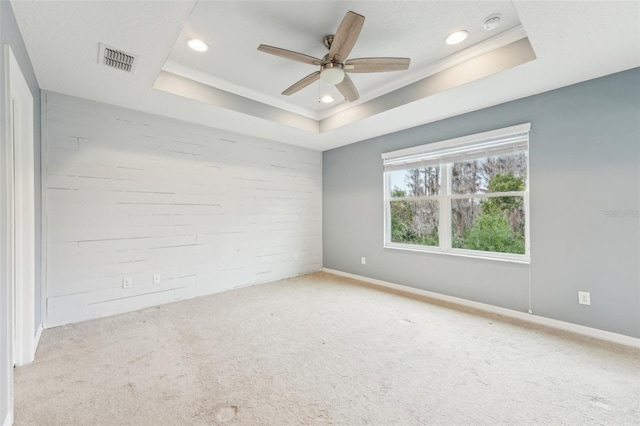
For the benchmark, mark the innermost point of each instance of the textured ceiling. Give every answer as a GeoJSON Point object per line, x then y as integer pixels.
{"type": "Point", "coordinates": [573, 41]}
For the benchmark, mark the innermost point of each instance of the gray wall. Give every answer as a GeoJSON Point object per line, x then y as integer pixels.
{"type": "Point", "coordinates": [130, 194]}
{"type": "Point", "coordinates": [584, 160]}
{"type": "Point", "coordinates": [10, 35]}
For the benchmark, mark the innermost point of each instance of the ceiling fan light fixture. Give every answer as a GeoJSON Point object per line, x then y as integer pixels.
{"type": "Point", "coordinates": [197, 45]}
{"type": "Point", "coordinates": [456, 37]}
{"type": "Point", "coordinates": [327, 99]}
{"type": "Point", "coordinates": [332, 74]}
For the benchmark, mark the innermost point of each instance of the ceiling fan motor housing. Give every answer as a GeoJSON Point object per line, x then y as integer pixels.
{"type": "Point", "coordinates": [327, 40]}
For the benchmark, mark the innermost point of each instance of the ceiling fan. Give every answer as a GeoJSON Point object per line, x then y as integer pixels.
{"type": "Point", "coordinates": [334, 65]}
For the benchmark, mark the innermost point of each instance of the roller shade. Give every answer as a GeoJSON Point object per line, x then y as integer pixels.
{"type": "Point", "coordinates": [497, 142]}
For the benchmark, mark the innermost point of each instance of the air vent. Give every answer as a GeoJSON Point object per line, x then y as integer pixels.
{"type": "Point", "coordinates": [116, 58]}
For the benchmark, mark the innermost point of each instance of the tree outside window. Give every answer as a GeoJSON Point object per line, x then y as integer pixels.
{"type": "Point", "coordinates": [473, 202]}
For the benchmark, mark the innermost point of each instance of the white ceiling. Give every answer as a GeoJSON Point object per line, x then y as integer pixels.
{"type": "Point", "coordinates": [573, 41]}
{"type": "Point", "coordinates": [391, 29]}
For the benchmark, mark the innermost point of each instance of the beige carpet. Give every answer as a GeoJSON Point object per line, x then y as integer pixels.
{"type": "Point", "coordinates": [322, 350]}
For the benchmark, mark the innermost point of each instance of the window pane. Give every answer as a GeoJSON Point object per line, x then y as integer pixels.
{"type": "Point", "coordinates": [420, 182]}
{"type": "Point", "coordinates": [415, 222]}
{"type": "Point", "coordinates": [502, 173]}
{"type": "Point", "coordinates": [491, 224]}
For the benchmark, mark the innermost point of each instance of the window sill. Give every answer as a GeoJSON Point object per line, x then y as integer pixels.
{"type": "Point", "coordinates": [455, 254]}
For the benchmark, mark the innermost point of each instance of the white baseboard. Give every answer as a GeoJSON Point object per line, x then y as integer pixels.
{"type": "Point", "coordinates": [8, 421]}
{"type": "Point", "coordinates": [509, 313]}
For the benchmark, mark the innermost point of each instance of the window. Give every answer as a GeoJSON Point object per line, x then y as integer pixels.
{"type": "Point", "coordinates": [467, 196]}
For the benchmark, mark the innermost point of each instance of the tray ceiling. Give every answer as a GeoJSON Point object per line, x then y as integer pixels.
{"type": "Point", "coordinates": [236, 87]}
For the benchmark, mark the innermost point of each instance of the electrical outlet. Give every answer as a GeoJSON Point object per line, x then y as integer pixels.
{"type": "Point", "coordinates": [584, 298]}
{"type": "Point", "coordinates": [126, 282]}
{"type": "Point", "coordinates": [363, 260]}
{"type": "Point", "coordinates": [156, 278]}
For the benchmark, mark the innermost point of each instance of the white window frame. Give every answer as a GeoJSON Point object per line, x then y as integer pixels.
{"type": "Point", "coordinates": [444, 198]}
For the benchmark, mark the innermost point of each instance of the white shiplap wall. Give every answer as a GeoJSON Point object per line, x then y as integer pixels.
{"type": "Point", "coordinates": [128, 194]}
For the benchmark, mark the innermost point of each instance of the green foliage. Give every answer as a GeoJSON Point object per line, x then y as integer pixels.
{"type": "Point", "coordinates": [506, 182]}
{"type": "Point", "coordinates": [492, 232]}
{"type": "Point", "coordinates": [401, 222]}
{"type": "Point", "coordinates": [499, 228]}
{"type": "Point", "coordinates": [403, 229]}
{"type": "Point", "coordinates": [503, 183]}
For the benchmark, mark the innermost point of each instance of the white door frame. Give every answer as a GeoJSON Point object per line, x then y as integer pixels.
{"type": "Point", "coordinates": [20, 138]}
{"type": "Point", "coordinates": [6, 259]}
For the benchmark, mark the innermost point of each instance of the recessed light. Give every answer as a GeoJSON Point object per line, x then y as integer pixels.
{"type": "Point", "coordinates": [492, 22]}
{"type": "Point", "coordinates": [197, 45]}
{"type": "Point", "coordinates": [456, 37]}
{"type": "Point", "coordinates": [327, 99]}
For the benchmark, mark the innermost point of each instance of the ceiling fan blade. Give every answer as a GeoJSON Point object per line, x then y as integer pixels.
{"type": "Point", "coordinates": [377, 64]}
{"type": "Point", "coordinates": [288, 54]}
{"type": "Point", "coordinates": [346, 36]}
{"type": "Point", "coordinates": [348, 89]}
{"type": "Point", "coordinates": [302, 83]}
